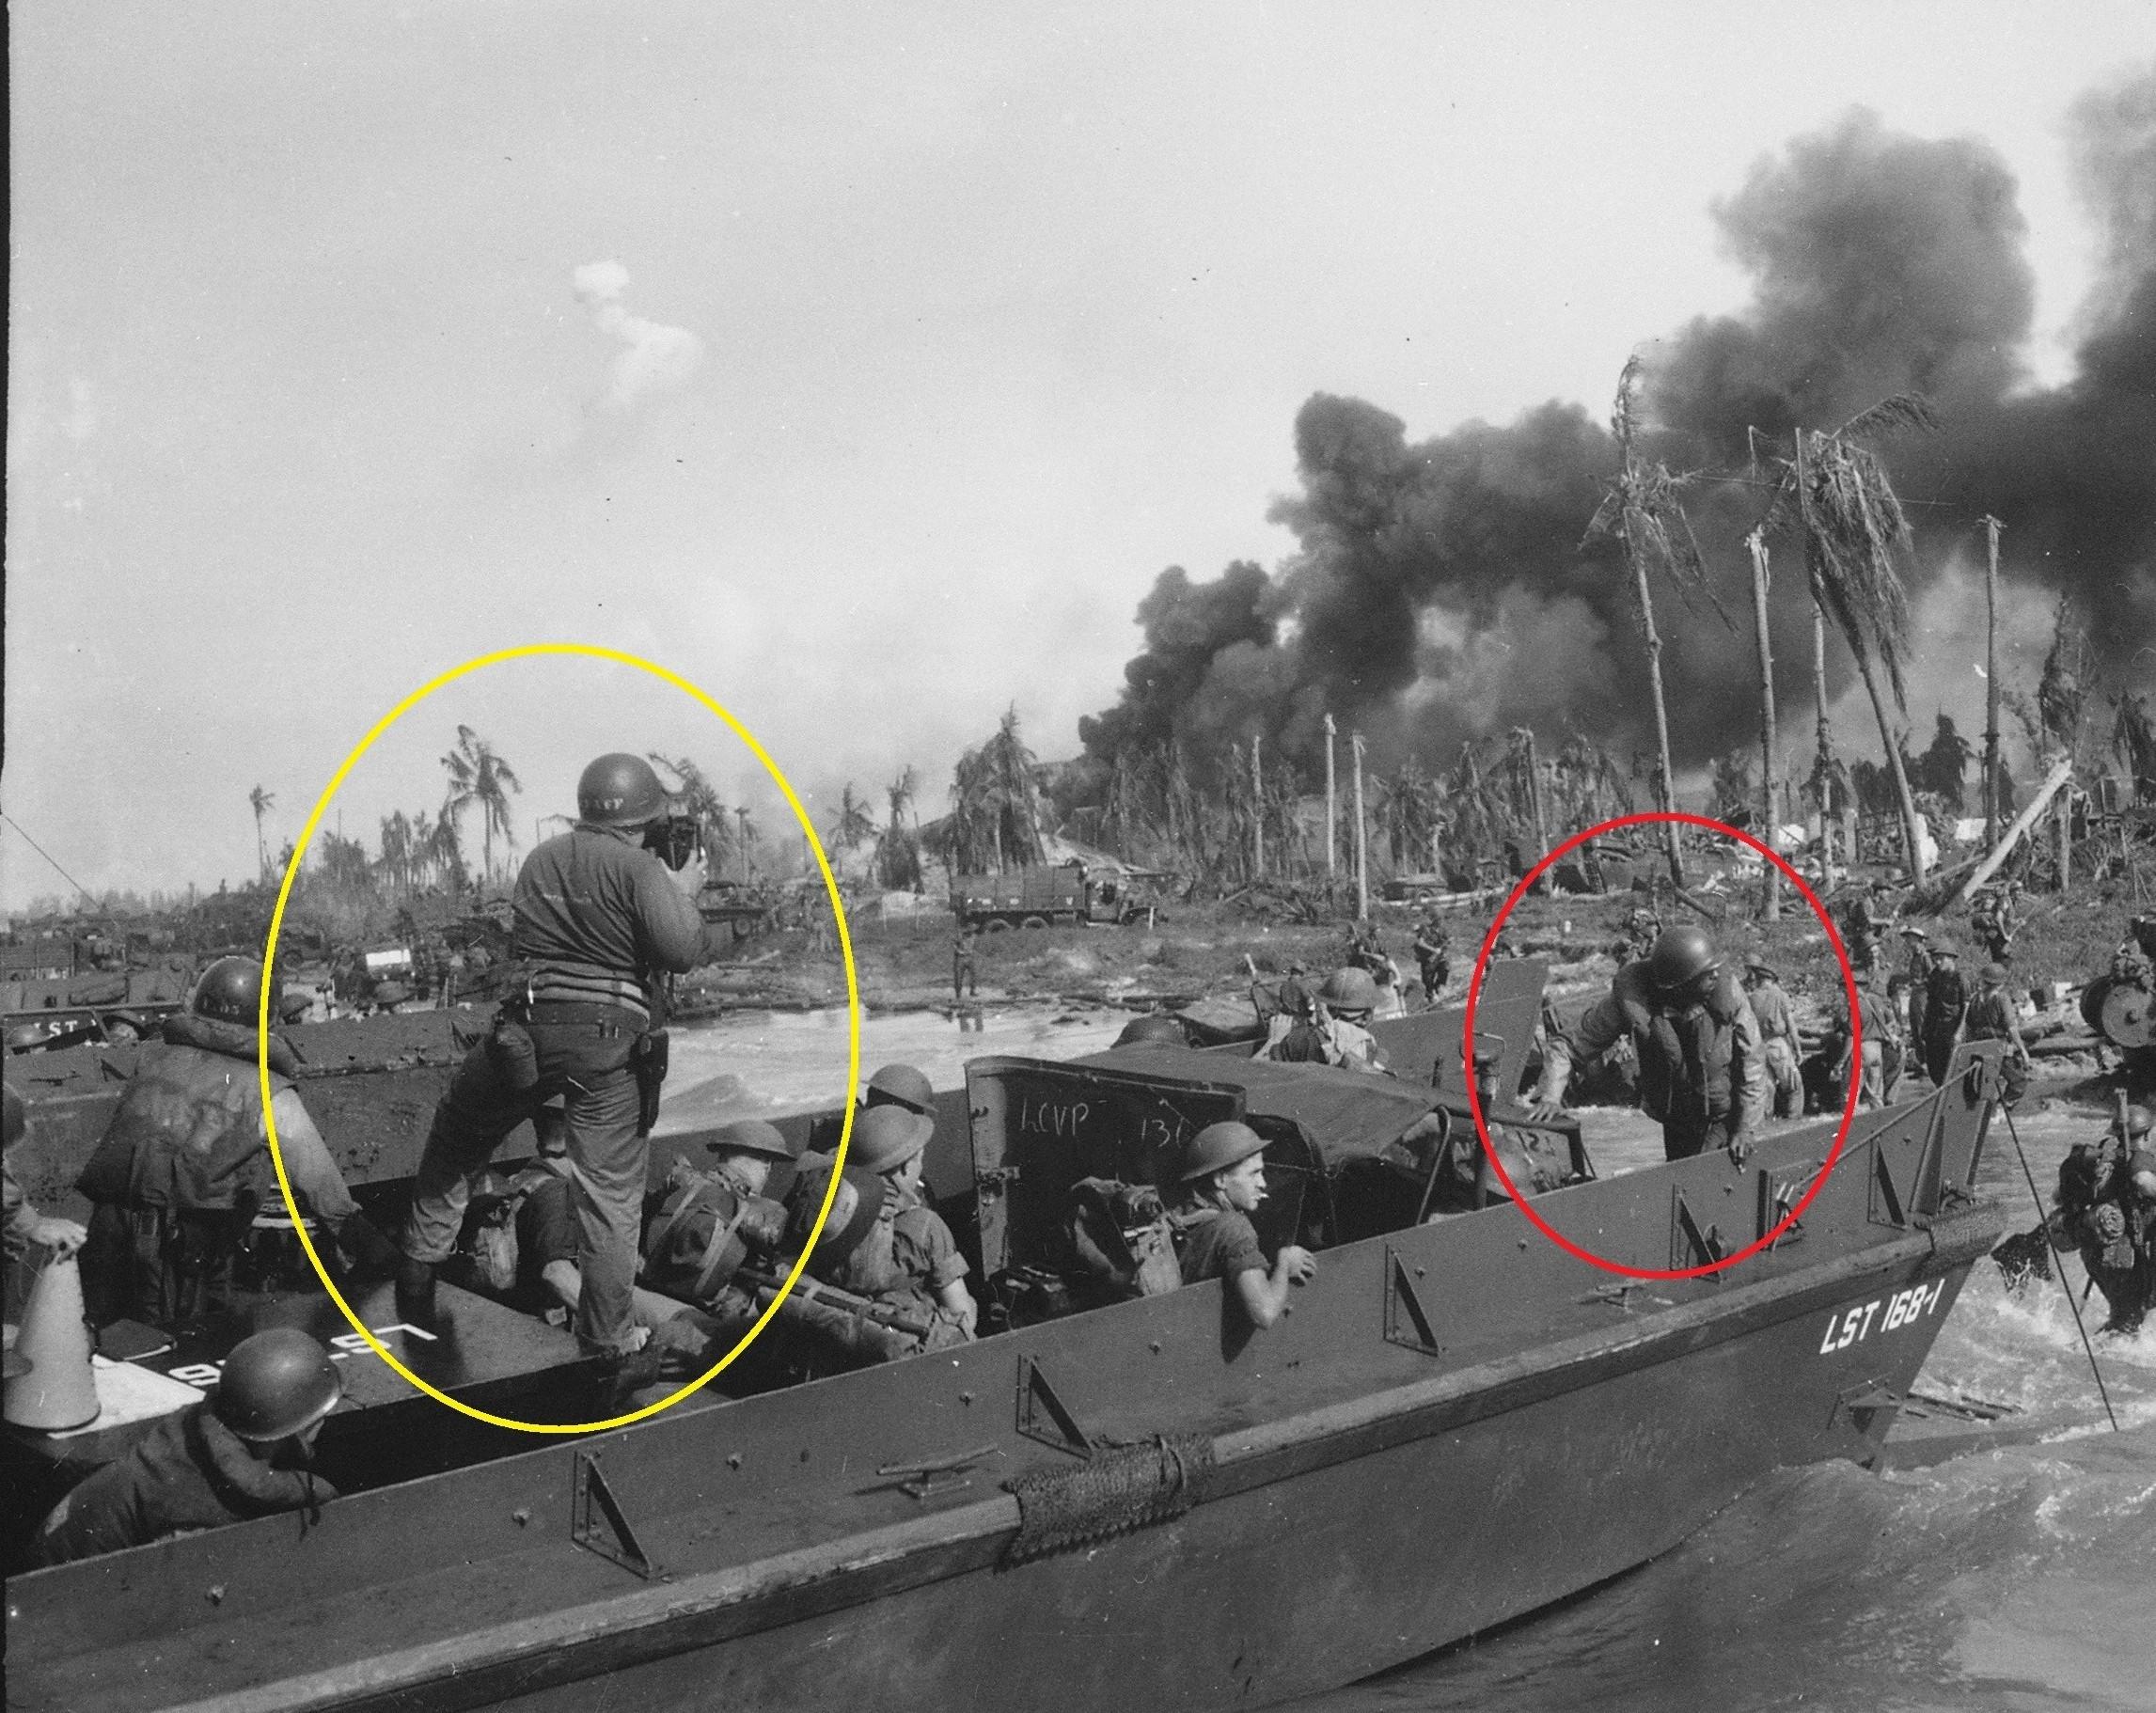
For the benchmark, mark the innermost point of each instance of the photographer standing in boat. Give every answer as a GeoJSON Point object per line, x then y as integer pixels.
{"type": "Point", "coordinates": [599, 921]}
{"type": "Point", "coordinates": [1702, 1064]}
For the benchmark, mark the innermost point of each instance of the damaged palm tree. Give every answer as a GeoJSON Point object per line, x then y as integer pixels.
{"type": "Point", "coordinates": [1643, 512]}
{"type": "Point", "coordinates": [996, 803]}
{"type": "Point", "coordinates": [1834, 493]}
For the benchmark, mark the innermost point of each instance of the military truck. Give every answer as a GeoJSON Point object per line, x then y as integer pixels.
{"type": "Point", "coordinates": [1043, 895]}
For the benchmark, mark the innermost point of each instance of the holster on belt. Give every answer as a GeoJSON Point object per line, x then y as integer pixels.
{"type": "Point", "coordinates": [647, 1062]}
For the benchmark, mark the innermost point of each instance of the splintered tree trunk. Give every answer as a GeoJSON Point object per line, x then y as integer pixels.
{"type": "Point", "coordinates": [1991, 528]}
{"type": "Point", "coordinates": [1331, 807]}
{"type": "Point", "coordinates": [1257, 811]}
{"type": "Point", "coordinates": [1668, 803]}
{"type": "Point", "coordinates": [1902, 794]}
{"type": "Point", "coordinates": [1773, 908]}
{"type": "Point", "coordinates": [1534, 806]}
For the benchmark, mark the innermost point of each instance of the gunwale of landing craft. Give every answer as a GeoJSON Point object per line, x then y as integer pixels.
{"type": "Point", "coordinates": [1454, 1424]}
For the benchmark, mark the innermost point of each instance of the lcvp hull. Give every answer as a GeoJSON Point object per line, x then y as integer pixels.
{"type": "Point", "coordinates": [1457, 1424]}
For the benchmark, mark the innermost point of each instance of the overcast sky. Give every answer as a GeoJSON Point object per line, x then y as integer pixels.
{"type": "Point", "coordinates": [863, 364]}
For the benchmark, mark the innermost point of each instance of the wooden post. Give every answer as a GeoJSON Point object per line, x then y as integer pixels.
{"type": "Point", "coordinates": [1772, 907]}
{"type": "Point", "coordinates": [1257, 809]}
{"type": "Point", "coordinates": [1361, 836]}
{"type": "Point", "coordinates": [2064, 840]}
{"type": "Point", "coordinates": [1332, 809]}
{"type": "Point", "coordinates": [1991, 528]}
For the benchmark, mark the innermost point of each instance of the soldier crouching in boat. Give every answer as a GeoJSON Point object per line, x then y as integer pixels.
{"type": "Point", "coordinates": [1702, 1068]}
{"type": "Point", "coordinates": [242, 1453]}
{"type": "Point", "coordinates": [1220, 1182]}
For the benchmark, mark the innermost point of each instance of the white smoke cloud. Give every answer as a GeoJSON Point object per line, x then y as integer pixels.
{"type": "Point", "coordinates": [656, 358]}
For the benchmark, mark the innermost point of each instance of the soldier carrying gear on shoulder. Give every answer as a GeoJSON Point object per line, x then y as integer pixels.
{"type": "Point", "coordinates": [1220, 1182]}
{"type": "Point", "coordinates": [184, 1166]}
{"type": "Point", "coordinates": [1778, 1031]}
{"type": "Point", "coordinates": [242, 1453]}
{"type": "Point", "coordinates": [2105, 1208]}
{"type": "Point", "coordinates": [600, 921]}
{"type": "Point", "coordinates": [1703, 1067]}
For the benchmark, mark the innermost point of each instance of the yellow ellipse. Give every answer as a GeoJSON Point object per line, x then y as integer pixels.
{"type": "Point", "coordinates": [269, 963]}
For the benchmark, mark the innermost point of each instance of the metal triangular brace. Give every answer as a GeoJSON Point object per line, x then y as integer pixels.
{"type": "Point", "coordinates": [1405, 1320]}
{"type": "Point", "coordinates": [1044, 1416]}
{"type": "Point", "coordinates": [598, 1524]}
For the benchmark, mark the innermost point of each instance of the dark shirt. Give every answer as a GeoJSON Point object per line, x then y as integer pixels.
{"type": "Point", "coordinates": [190, 1471]}
{"type": "Point", "coordinates": [545, 1233]}
{"type": "Point", "coordinates": [1217, 1244]}
{"type": "Point", "coordinates": [599, 917]}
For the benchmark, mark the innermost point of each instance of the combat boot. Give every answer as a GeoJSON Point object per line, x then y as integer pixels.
{"type": "Point", "coordinates": [415, 1294]}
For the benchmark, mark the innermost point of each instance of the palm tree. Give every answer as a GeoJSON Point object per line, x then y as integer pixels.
{"type": "Point", "coordinates": [898, 853]}
{"type": "Point", "coordinates": [478, 775]}
{"type": "Point", "coordinates": [853, 825]}
{"type": "Point", "coordinates": [1642, 510]}
{"type": "Point", "coordinates": [1834, 492]}
{"type": "Point", "coordinates": [261, 802]}
{"type": "Point", "coordinates": [995, 803]}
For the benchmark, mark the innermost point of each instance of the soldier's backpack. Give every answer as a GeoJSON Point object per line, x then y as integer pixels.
{"type": "Point", "coordinates": [703, 1232]}
{"type": "Point", "coordinates": [1121, 1239]}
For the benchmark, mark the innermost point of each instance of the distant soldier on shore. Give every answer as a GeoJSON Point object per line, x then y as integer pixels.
{"type": "Point", "coordinates": [1433, 957]}
{"type": "Point", "coordinates": [1916, 946]}
{"type": "Point", "coordinates": [1993, 921]}
{"type": "Point", "coordinates": [965, 968]}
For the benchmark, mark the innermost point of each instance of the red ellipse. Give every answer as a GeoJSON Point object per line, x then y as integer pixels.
{"type": "Point", "coordinates": [1525, 1204]}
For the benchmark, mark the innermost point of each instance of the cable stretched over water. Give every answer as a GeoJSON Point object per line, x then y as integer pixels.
{"type": "Point", "coordinates": [2043, 1219]}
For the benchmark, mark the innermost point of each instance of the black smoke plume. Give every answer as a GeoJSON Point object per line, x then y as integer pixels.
{"type": "Point", "coordinates": [1439, 593]}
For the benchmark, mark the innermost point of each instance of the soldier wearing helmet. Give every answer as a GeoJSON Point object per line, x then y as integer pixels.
{"type": "Point", "coordinates": [598, 921]}
{"type": "Point", "coordinates": [241, 1453]}
{"type": "Point", "coordinates": [1778, 1031]}
{"type": "Point", "coordinates": [24, 1224]}
{"type": "Point", "coordinates": [1154, 1030]}
{"type": "Point", "coordinates": [1345, 1004]}
{"type": "Point", "coordinates": [1992, 1018]}
{"type": "Point", "coordinates": [184, 1166]}
{"type": "Point", "coordinates": [1703, 1066]}
{"type": "Point", "coordinates": [911, 1259]}
{"type": "Point", "coordinates": [1220, 1182]}
{"type": "Point", "coordinates": [2105, 1206]}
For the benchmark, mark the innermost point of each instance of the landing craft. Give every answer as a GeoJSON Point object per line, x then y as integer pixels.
{"type": "Point", "coordinates": [1459, 1423]}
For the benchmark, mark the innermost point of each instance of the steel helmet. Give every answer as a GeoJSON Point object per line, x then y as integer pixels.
{"type": "Point", "coordinates": [2137, 1122]}
{"type": "Point", "coordinates": [231, 990]}
{"type": "Point", "coordinates": [1992, 975]}
{"type": "Point", "coordinates": [620, 791]}
{"type": "Point", "coordinates": [1216, 1148]}
{"type": "Point", "coordinates": [276, 1384]}
{"type": "Point", "coordinates": [1680, 957]}
{"type": "Point", "coordinates": [1350, 990]}
{"type": "Point", "coordinates": [900, 1085]}
{"type": "Point", "coordinates": [754, 1136]}
{"type": "Point", "coordinates": [885, 1138]}
{"type": "Point", "coordinates": [1140, 1030]}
